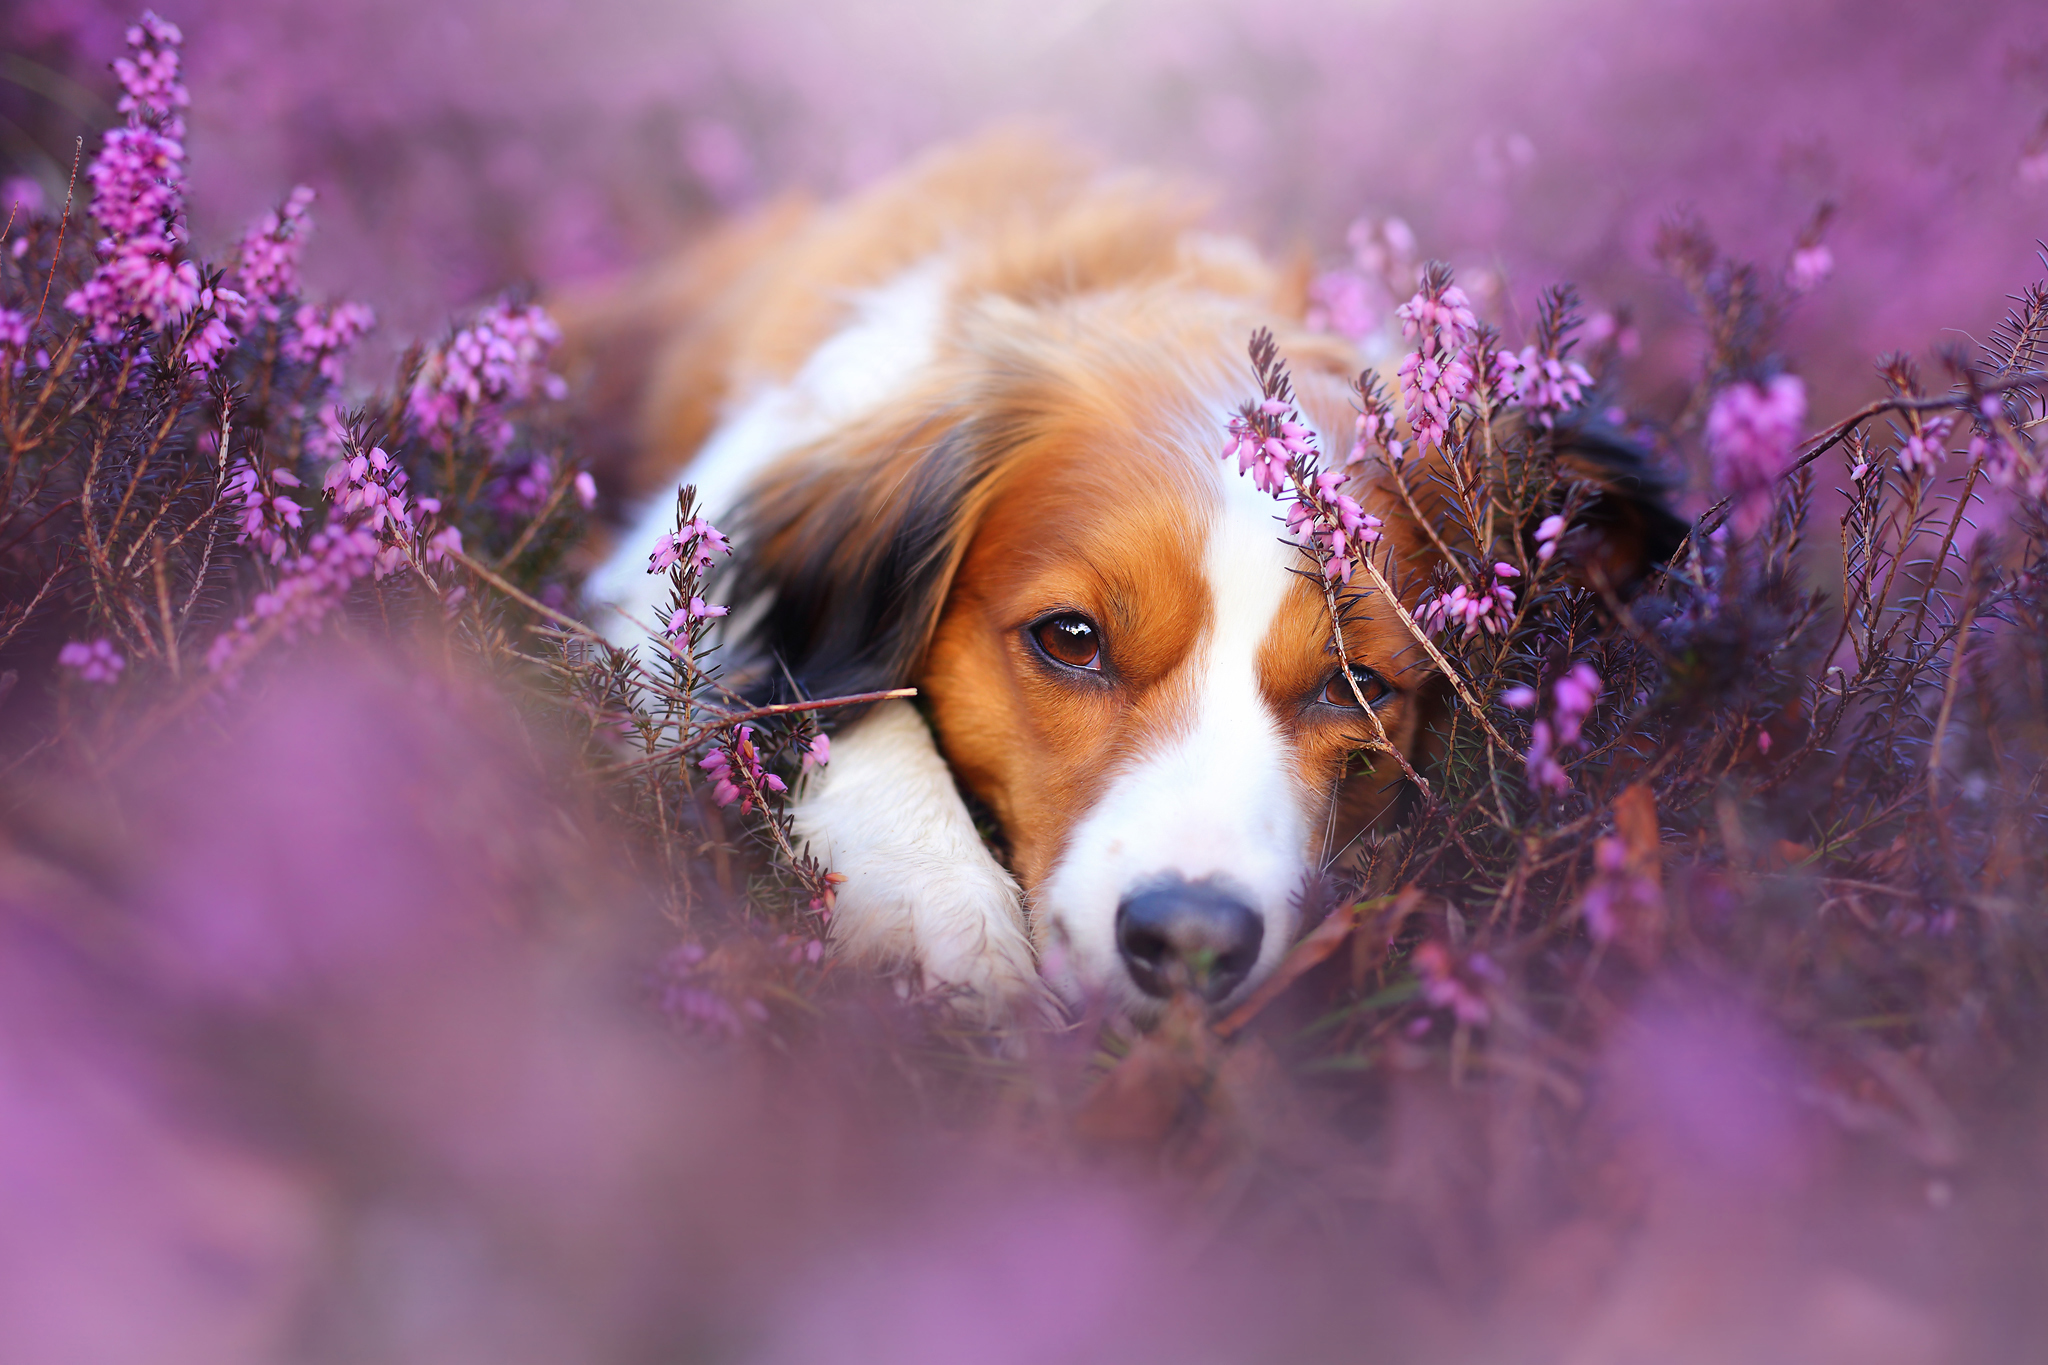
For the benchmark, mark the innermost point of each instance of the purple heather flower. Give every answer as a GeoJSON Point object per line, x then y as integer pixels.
{"type": "Point", "coordinates": [1444, 986]}
{"type": "Point", "coordinates": [267, 261]}
{"type": "Point", "coordinates": [1925, 450]}
{"type": "Point", "coordinates": [698, 542]}
{"type": "Point", "coordinates": [739, 756]}
{"type": "Point", "coordinates": [96, 661]}
{"type": "Point", "coordinates": [324, 336]}
{"type": "Point", "coordinates": [498, 360]}
{"type": "Point", "coordinates": [1546, 385]}
{"type": "Point", "coordinates": [1752, 433]}
{"type": "Point", "coordinates": [1811, 265]}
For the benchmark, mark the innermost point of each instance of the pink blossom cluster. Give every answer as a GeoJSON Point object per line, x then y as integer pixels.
{"type": "Point", "coordinates": [742, 758]}
{"type": "Point", "coordinates": [13, 328]}
{"type": "Point", "coordinates": [1265, 455]}
{"type": "Point", "coordinates": [1333, 524]}
{"type": "Point", "coordinates": [1478, 610]}
{"type": "Point", "coordinates": [525, 489]}
{"type": "Point", "coordinates": [370, 490]}
{"type": "Point", "coordinates": [1574, 696]}
{"type": "Point", "coordinates": [1375, 426]}
{"type": "Point", "coordinates": [267, 261]}
{"type": "Point", "coordinates": [1460, 987]}
{"type": "Point", "coordinates": [1549, 533]}
{"type": "Point", "coordinates": [372, 530]}
{"type": "Point", "coordinates": [265, 516]}
{"type": "Point", "coordinates": [1752, 432]}
{"type": "Point", "coordinates": [1437, 375]}
{"type": "Point", "coordinates": [1271, 443]}
{"type": "Point", "coordinates": [1926, 449]}
{"type": "Point", "coordinates": [690, 997]}
{"type": "Point", "coordinates": [696, 542]}
{"type": "Point", "coordinates": [1547, 386]}
{"type": "Point", "coordinates": [1811, 265]}
{"type": "Point", "coordinates": [1614, 890]}
{"type": "Point", "coordinates": [138, 196]}
{"type": "Point", "coordinates": [499, 359]}
{"type": "Point", "coordinates": [817, 753]}
{"type": "Point", "coordinates": [323, 336]}
{"type": "Point", "coordinates": [1351, 300]}
{"type": "Point", "coordinates": [694, 546]}
{"type": "Point", "coordinates": [316, 581]}
{"type": "Point", "coordinates": [95, 661]}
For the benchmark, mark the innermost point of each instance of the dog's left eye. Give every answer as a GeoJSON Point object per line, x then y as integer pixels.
{"type": "Point", "coordinates": [1371, 686]}
{"type": "Point", "coordinates": [1070, 638]}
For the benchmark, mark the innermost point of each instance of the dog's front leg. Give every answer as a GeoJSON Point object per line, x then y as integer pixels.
{"type": "Point", "coordinates": [921, 888]}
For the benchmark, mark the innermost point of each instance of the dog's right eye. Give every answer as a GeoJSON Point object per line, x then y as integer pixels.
{"type": "Point", "coordinates": [1071, 639]}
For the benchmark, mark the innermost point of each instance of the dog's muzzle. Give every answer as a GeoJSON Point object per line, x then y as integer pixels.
{"type": "Point", "coordinates": [1181, 935]}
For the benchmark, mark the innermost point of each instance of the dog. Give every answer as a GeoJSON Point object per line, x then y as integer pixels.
{"type": "Point", "coordinates": [964, 431]}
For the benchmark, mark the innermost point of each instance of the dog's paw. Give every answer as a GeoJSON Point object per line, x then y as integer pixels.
{"type": "Point", "coordinates": [921, 890]}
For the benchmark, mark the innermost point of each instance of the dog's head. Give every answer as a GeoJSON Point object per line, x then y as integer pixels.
{"type": "Point", "coordinates": [1120, 655]}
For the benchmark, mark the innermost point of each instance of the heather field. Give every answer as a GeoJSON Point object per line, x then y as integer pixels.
{"type": "Point", "coordinates": [390, 969]}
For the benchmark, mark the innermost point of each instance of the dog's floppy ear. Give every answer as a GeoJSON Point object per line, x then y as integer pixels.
{"type": "Point", "coordinates": [848, 547]}
{"type": "Point", "coordinates": [1624, 527]}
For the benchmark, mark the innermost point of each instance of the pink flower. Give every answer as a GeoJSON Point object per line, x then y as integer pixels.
{"type": "Point", "coordinates": [267, 261]}
{"type": "Point", "coordinates": [697, 542]}
{"type": "Point", "coordinates": [94, 662]}
{"type": "Point", "coordinates": [1342, 301]}
{"type": "Point", "coordinates": [324, 336]}
{"type": "Point", "coordinates": [21, 195]}
{"type": "Point", "coordinates": [1614, 890]}
{"type": "Point", "coordinates": [1811, 265]}
{"type": "Point", "coordinates": [138, 182]}
{"type": "Point", "coordinates": [1476, 609]}
{"type": "Point", "coordinates": [1926, 449]}
{"type": "Point", "coordinates": [1573, 696]}
{"type": "Point", "coordinates": [497, 361]}
{"type": "Point", "coordinates": [1752, 433]}
{"type": "Point", "coordinates": [696, 609]}
{"type": "Point", "coordinates": [1546, 385]}
{"type": "Point", "coordinates": [1576, 692]}
{"type": "Point", "coordinates": [740, 757]}
{"type": "Point", "coordinates": [1450, 985]}
{"type": "Point", "coordinates": [586, 489]}
{"type": "Point", "coordinates": [817, 753]}
{"type": "Point", "coordinates": [13, 328]}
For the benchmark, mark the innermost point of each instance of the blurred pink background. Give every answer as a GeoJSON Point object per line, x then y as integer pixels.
{"type": "Point", "coordinates": [459, 146]}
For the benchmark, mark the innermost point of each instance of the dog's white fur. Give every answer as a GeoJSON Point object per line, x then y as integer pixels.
{"type": "Point", "coordinates": [1219, 800]}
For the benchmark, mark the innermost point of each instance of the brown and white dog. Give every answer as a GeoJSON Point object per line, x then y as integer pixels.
{"type": "Point", "coordinates": [964, 430]}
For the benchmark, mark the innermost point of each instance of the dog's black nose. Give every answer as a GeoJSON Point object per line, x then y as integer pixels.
{"type": "Point", "coordinates": [1195, 936]}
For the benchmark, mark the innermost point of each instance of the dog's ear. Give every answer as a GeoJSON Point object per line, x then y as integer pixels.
{"type": "Point", "coordinates": [848, 547]}
{"type": "Point", "coordinates": [1623, 528]}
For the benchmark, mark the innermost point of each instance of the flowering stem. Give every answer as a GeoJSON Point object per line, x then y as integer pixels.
{"type": "Point", "coordinates": [1833, 436]}
{"type": "Point", "coordinates": [1436, 655]}
{"type": "Point", "coordinates": [728, 719]}
{"type": "Point", "coordinates": [568, 623]}
{"type": "Point", "coordinates": [1428, 526]}
{"type": "Point", "coordinates": [1383, 742]}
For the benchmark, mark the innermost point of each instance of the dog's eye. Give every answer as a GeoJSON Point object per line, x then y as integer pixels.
{"type": "Point", "coordinates": [1371, 686]}
{"type": "Point", "coordinates": [1071, 639]}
